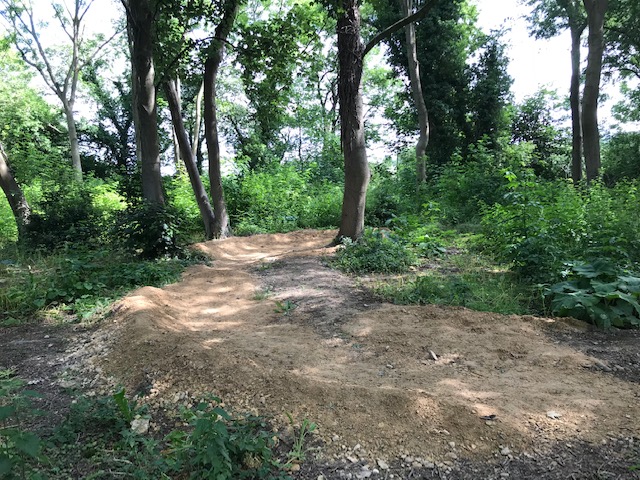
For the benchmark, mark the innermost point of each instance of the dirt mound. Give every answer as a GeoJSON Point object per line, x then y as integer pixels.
{"type": "Point", "coordinates": [271, 329]}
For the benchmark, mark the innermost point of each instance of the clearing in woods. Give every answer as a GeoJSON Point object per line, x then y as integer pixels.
{"type": "Point", "coordinates": [269, 328]}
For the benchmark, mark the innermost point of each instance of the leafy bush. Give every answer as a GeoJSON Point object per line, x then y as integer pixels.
{"type": "Point", "coordinates": [376, 251]}
{"type": "Point", "coordinates": [597, 293]}
{"type": "Point", "coordinates": [149, 230]}
{"type": "Point", "coordinates": [222, 447]}
{"type": "Point", "coordinates": [541, 225]}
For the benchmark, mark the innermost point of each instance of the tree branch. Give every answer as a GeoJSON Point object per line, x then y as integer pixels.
{"type": "Point", "coordinates": [387, 32]}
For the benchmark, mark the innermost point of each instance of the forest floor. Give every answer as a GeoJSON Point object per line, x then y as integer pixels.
{"type": "Point", "coordinates": [396, 391]}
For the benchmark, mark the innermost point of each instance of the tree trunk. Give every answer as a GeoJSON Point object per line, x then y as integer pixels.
{"type": "Point", "coordinates": [15, 196]}
{"type": "Point", "coordinates": [186, 153]}
{"type": "Point", "coordinates": [73, 140]}
{"type": "Point", "coordinates": [142, 17]}
{"type": "Point", "coordinates": [574, 98]}
{"type": "Point", "coordinates": [211, 66]}
{"type": "Point", "coordinates": [596, 10]}
{"type": "Point", "coordinates": [356, 167]}
{"type": "Point", "coordinates": [416, 91]}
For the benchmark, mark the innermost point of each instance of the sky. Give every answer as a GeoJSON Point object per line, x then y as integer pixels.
{"type": "Point", "coordinates": [534, 63]}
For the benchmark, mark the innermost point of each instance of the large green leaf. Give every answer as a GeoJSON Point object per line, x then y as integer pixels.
{"type": "Point", "coordinates": [27, 443]}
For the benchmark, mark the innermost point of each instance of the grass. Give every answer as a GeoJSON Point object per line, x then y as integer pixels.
{"type": "Point", "coordinates": [456, 275]}
{"type": "Point", "coordinates": [76, 284]}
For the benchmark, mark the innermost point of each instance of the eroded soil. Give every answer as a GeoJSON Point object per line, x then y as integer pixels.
{"type": "Point", "coordinates": [427, 391]}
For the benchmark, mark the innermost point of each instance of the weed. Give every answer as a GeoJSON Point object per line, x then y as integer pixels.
{"type": "Point", "coordinates": [263, 294]}
{"type": "Point", "coordinates": [306, 428]}
{"type": "Point", "coordinates": [285, 307]}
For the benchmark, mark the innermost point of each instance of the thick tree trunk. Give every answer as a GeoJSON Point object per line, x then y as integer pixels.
{"type": "Point", "coordinates": [576, 121]}
{"type": "Point", "coordinates": [73, 140]}
{"type": "Point", "coordinates": [416, 91]}
{"type": "Point", "coordinates": [141, 15]}
{"type": "Point", "coordinates": [15, 196]}
{"type": "Point", "coordinates": [356, 167]}
{"type": "Point", "coordinates": [596, 10]}
{"type": "Point", "coordinates": [186, 153]}
{"type": "Point", "coordinates": [211, 66]}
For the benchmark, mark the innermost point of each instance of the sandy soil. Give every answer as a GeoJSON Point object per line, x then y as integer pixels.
{"type": "Point", "coordinates": [270, 328]}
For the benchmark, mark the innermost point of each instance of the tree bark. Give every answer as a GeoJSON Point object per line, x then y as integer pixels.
{"type": "Point", "coordinates": [15, 196]}
{"type": "Point", "coordinates": [140, 14]}
{"type": "Point", "coordinates": [356, 167]}
{"type": "Point", "coordinates": [596, 10]}
{"type": "Point", "coordinates": [574, 98]}
{"type": "Point", "coordinates": [211, 67]}
{"type": "Point", "coordinates": [186, 153]}
{"type": "Point", "coordinates": [73, 140]}
{"type": "Point", "coordinates": [418, 97]}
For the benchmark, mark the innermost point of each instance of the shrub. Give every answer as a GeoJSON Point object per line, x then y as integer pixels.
{"type": "Point", "coordinates": [376, 251]}
{"type": "Point", "coordinates": [149, 230]}
{"type": "Point", "coordinates": [597, 293]}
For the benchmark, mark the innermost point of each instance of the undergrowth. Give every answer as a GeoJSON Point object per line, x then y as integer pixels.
{"type": "Point", "coordinates": [111, 437]}
{"type": "Point", "coordinates": [77, 282]}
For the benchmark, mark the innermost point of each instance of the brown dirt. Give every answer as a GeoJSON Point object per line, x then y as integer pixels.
{"type": "Point", "coordinates": [271, 329]}
{"type": "Point", "coordinates": [361, 369]}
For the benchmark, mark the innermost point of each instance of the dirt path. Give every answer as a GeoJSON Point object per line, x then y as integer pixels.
{"type": "Point", "coordinates": [382, 381]}
{"type": "Point", "coordinates": [397, 392]}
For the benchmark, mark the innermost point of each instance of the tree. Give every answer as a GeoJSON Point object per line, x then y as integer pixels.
{"type": "Point", "coordinates": [211, 68]}
{"type": "Point", "coordinates": [141, 18]}
{"type": "Point", "coordinates": [447, 38]}
{"type": "Point", "coordinates": [596, 10]}
{"type": "Point", "coordinates": [186, 153]}
{"type": "Point", "coordinates": [547, 19]}
{"type": "Point", "coordinates": [59, 69]}
{"type": "Point", "coordinates": [351, 53]}
{"type": "Point", "coordinates": [15, 196]}
{"type": "Point", "coordinates": [489, 93]}
{"type": "Point", "coordinates": [418, 97]}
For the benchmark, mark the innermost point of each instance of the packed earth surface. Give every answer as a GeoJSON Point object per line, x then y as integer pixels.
{"type": "Point", "coordinates": [395, 391]}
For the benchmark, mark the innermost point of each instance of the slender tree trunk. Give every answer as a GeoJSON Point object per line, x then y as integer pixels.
{"type": "Point", "coordinates": [576, 121]}
{"type": "Point", "coordinates": [73, 140]}
{"type": "Point", "coordinates": [211, 66]}
{"type": "Point", "coordinates": [15, 196]}
{"type": "Point", "coordinates": [142, 17]}
{"type": "Point", "coordinates": [195, 137]}
{"type": "Point", "coordinates": [186, 153]}
{"type": "Point", "coordinates": [356, 167]}
{"type": "Point", "coordinates": [418, 97]}
{"type": "Point", "coordinates": [596, 10]}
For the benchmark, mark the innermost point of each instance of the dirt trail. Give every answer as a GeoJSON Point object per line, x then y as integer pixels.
{"type": "Point", "coordinates": [364, 371]}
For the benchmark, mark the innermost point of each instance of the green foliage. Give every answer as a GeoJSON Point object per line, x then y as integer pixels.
{"type": "Point", "coordinates": [99, 439]}
{"type": "Point", "coordinates": [306, 428]}
{"type": "Point", "coordinates": [280, 201]}
{"type": "Point", "coordinates": [621, 157]}
{"type": "Point", "coordinates": [541, 225]}
{"type": "Point", "coordinates": [19, 448]}
{"type": "Point", "coordinates": [285, 307]}
{"type": "Point", "coordinates": [81, 282]}
{"type": "Point", "coordinates": [149, 230]}
{"type": "Point", "coordinates": [462, 280]}
{"type": "Point", "coordinates": [222, 447]}
{"type": "Point", "coordinates": [377, 251]}
{"type": "Point", "coordinates": [597, 293]}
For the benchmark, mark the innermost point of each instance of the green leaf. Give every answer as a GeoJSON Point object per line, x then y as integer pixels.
{"type": "Point", "coordinates": [7, 411]}
{"type": "Point", "coordinates": [5, 466]}
{"type": "Point", "coordinates": [27, 443]}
